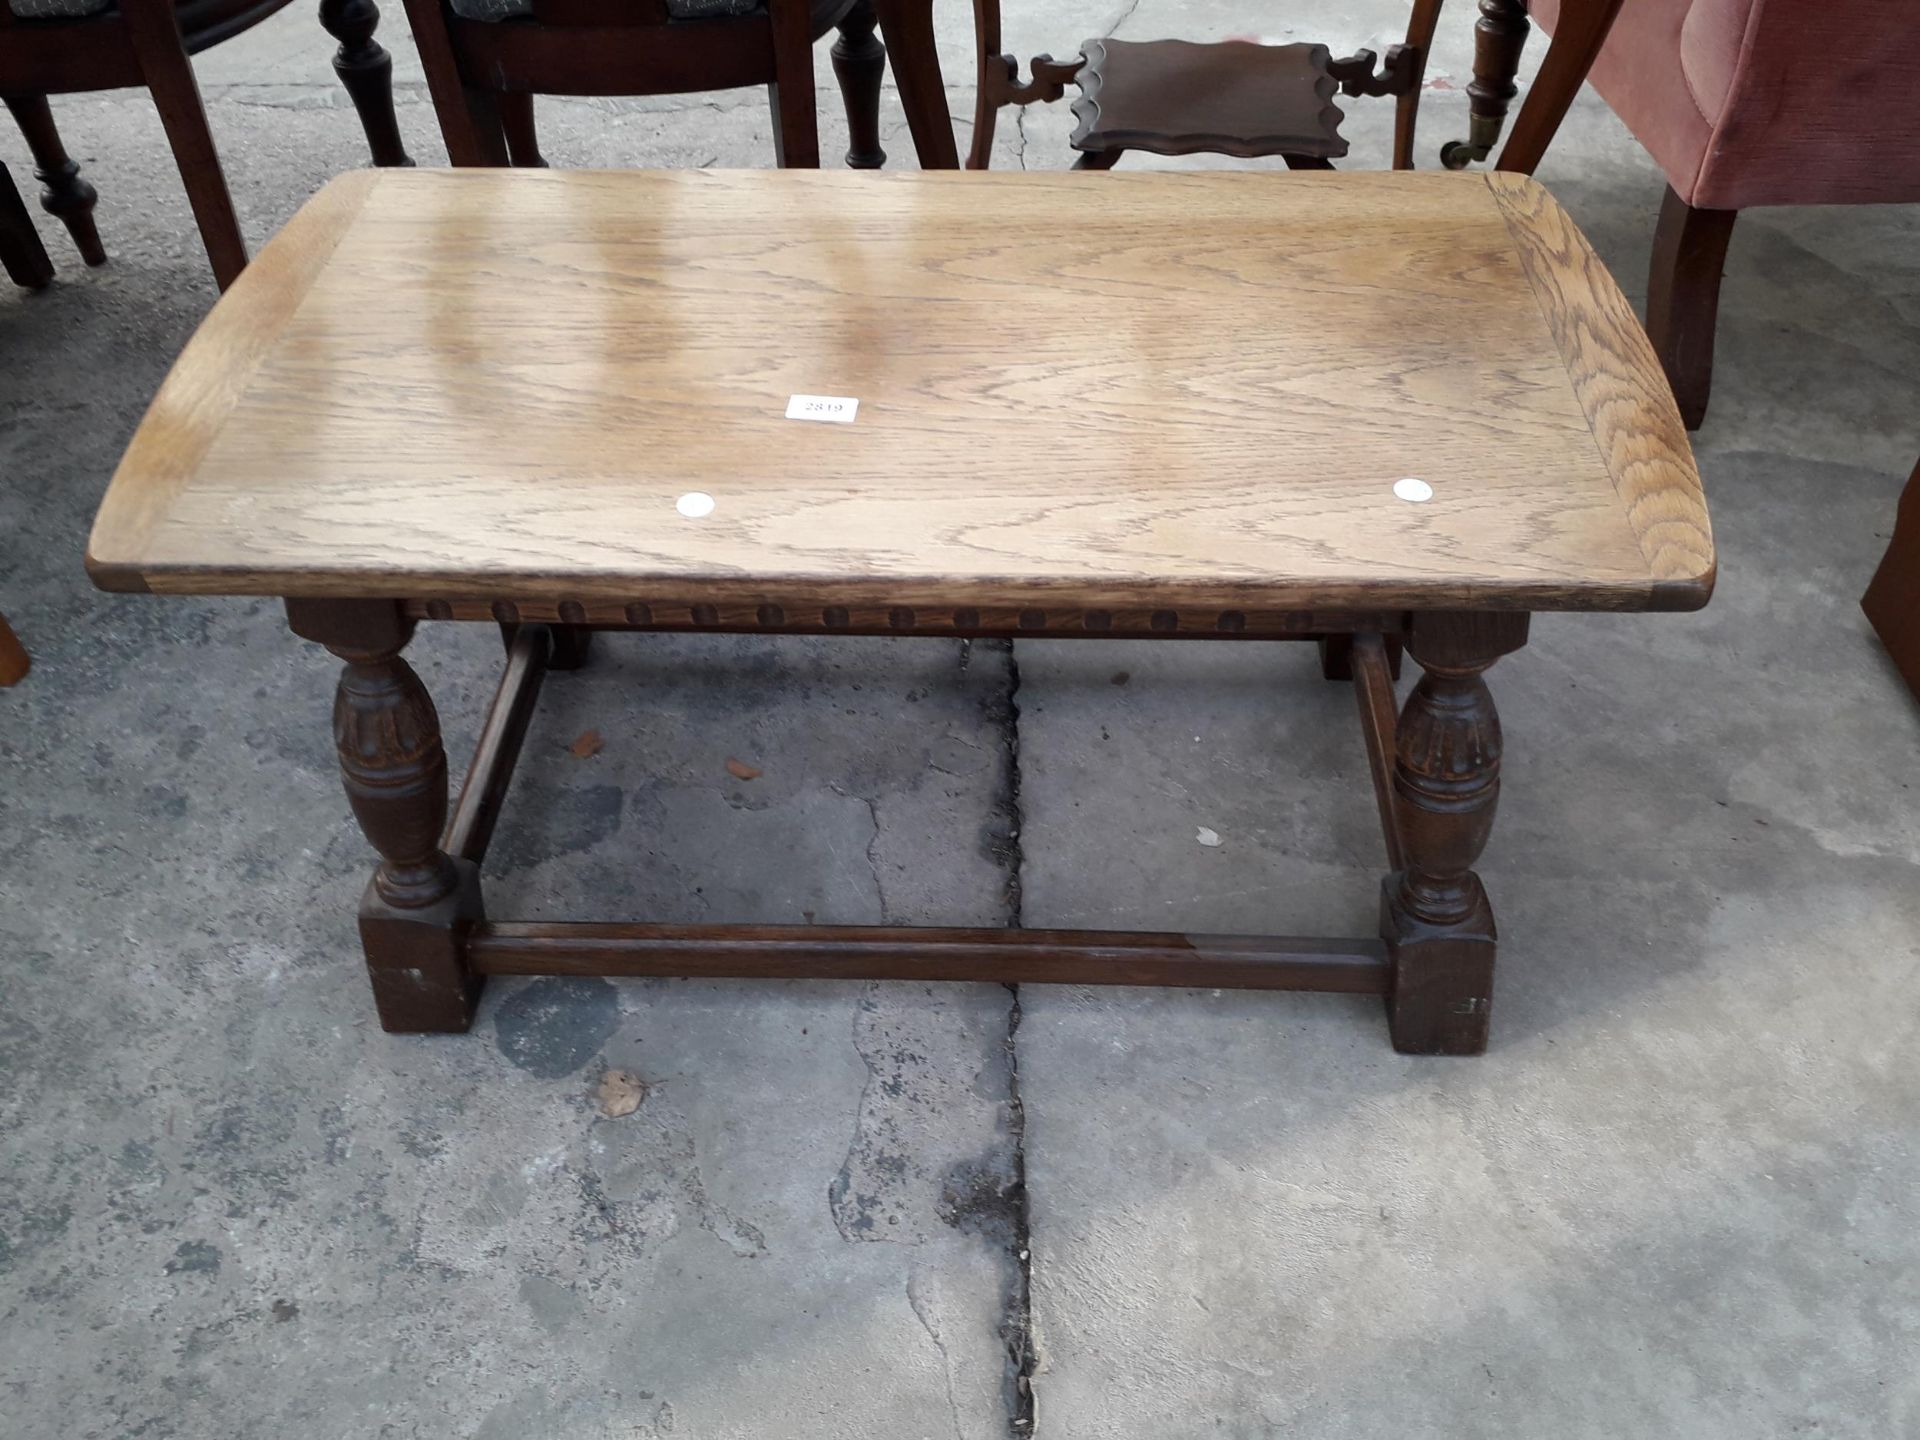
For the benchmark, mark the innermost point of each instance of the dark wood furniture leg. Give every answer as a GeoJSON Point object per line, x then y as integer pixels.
{"type": "Point", "coordinates": [470, 118]}
{"type": "Point", "coordinates": [860, 64]}
{"type": "Point", "coordinates": [1892, 601]}
{"type": "Point", "coordinates": [176, 95]}
{"type": "Point", "coordinates": [1683, 297]}
{"type": "Point", "coordinates": [14, 663]}
{"type": "Point", "coordinates": [1434, 914]}
{"type": "Point", "coordinates": [907, 28]}
{"type": "Point", "coordinates": [421, 903]}
{"type": "Point", "coordinates": [523, 140]}
{"type": "Point", "coordinates": [21, 252]}
{"type": "Point", "coordinates": [1499, 35]}
{"type": "Point", "coordinates": [66, 197]}
{"type": "Point", "coordinates": [1406, 108]}
{"type": "Point", "coordinates": [1577, 37]}
{"type": "Point", "coordinates": [796, 123]}
{"type": "Point", "coordinates": [366, 70]}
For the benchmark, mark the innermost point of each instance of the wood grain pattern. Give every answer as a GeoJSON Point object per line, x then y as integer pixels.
{"type": "Point", "coordinates": [1621, 387]}
{"type": "Point", "coordinates": [201, 392]}
{"type": "Point", "coordinates": [1184, 390]}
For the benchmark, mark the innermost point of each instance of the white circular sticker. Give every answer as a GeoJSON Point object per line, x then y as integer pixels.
{"type": "Point", "coordinates": [694, 504]}
{"type": "Point", "coordinates": [1418, 491]}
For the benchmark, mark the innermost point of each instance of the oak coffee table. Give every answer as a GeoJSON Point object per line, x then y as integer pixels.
{"type": "Point", "coordinates": [1373, 410]}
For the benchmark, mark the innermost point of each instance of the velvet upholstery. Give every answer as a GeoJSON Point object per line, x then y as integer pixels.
{"type": "Point", "coordinates": [1768, 102]}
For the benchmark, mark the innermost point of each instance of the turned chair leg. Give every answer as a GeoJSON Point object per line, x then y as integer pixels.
{"type": "Point", "coordinates": [366, 71]}
{"type": "Point", "coordinates": [523, 140]}
{"type": "Point", "coordinates": [422, 901]}
{"type": "Point", "coordinates": [21, 253]}
{"type": "Point", "coordinates": [14, 663]}
{"type": "Point", "coordinates": [1434, 914]}
{"type": "Point", "coordinates": [66, 197]}
{"type": "Point", "coordinates": [1499, 35]}
{"type": "Point", "coordinates": [1683, 298]}
{"type": "Point", "coordinates": [860, 64]}
{"type": "Point", "coordinates": [176, 95]}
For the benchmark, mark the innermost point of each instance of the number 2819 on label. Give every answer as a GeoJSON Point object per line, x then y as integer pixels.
{"type": "Point", "coordinates": [835, 409]}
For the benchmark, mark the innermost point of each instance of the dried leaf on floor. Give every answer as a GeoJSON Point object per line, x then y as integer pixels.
{"type": "Point", "coordinates": [1208, 837]}
{"type": "Point", "coordinates": [587, 745]}
{"type": "Point", "coordinates": [620, 1093]}
{"type": "Point", "coordinates": [740, 770]}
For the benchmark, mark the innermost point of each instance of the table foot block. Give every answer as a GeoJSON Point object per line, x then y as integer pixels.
{"type": "Point", "coordinates": [416, 958]}
{"type": "Point", "coordinates": [1440, 1001]}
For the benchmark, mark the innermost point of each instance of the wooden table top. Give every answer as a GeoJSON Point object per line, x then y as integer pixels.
{"type": "Point", "coordinates": [1126, 389]}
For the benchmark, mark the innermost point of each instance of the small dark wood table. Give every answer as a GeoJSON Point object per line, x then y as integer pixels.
{"type": "Point", "coordinates": [1162, 405]}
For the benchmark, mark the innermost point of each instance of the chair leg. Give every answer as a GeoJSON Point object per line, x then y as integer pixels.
{"type": "Point", "coordinates": [67, 197]}
{"type": "Point", "coordinates": [14, 663]}
{"type": "Point", "coordinates": [366, 71]}
{"type": "Point", "coordinates": [470, 119]}
{"type": "Point", "coordinates": [1499, 35]}
{"type": "Point", "coordinates": [860, 64]}
{"type": "Point", "coordinates": [176, 95]}
{"type": "Point", "coordinates": [1892, 601]}
{"type": "Point", "coordinates": [21, 253]}
{"type": "Point", "coordinates": [907, 28]}
{"type": "Point", "coordinates": [796, 125]}
{"type": "Point", "coordinates": [523, 140]}
{"type": "Point", "coordinates": [1683, 298]}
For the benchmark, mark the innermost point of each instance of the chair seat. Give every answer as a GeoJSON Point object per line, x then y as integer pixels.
{"type": "Point", "coordinates": [1175, 97]}
{"type": "Point", "coordinates": [519, 9]}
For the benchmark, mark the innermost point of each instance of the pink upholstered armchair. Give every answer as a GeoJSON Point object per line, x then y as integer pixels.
{"type": "Point", "coordinates": [1754, 102]}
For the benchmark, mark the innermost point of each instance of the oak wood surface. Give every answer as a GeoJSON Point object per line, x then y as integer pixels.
{"type": "Point", "coordinates": [1190, 389]}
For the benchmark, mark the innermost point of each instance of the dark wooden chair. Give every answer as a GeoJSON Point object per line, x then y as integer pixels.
{"type": "Point", "coordinates": [1892, 601]}
{"type": "Point", "coordinates": [486, 60]}
{"type": "Point", "coordinates": [54, 47]}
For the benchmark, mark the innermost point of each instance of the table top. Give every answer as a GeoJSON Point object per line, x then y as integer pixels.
{"type": "Point", "coordinates": [1123, 389]}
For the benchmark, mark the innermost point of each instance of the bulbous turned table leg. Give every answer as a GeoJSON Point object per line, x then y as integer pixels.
{"type": "Point", "coordinates": [421, 902]}
{"type": "Point", "coordinates": [1434, 914]}
{"type": "Point", "coordinates": [366, 70]}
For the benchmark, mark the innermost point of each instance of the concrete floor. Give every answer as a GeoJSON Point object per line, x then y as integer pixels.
{"type": "Point", "coordinates": [1679, 1197]}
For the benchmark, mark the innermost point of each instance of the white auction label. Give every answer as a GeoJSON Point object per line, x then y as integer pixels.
{"type": "Point", "coordinates": [839, 409]}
